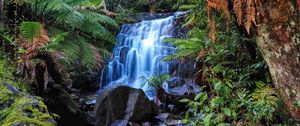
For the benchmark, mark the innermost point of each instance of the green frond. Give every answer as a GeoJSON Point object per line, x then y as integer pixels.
{"type": "Point", "coordinates": [5, 36]}
{"type": "Point", "coordinates": [186, 7]}
{"type": "Point", "coordinates": [54, 42]}
{"type": "Point", "coordinates": [102, 19]}
{"type": "Point", "coordinates": [76, 50]}
{"type": "Point", "coordinates": [88, 29]}
{"type": "Point", "coordinates": [97, 31]}
{"type": "Point", "coordinates": [30, 30]}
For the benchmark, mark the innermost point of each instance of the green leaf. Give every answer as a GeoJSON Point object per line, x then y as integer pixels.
{"type": "Point", "coordinates": [215, 102]}
{"type": "Point", "coordinates": [207, 119]}
{"type": "Point", "coordinates": [197, 97]}
{"type": "Point", "coordinates": [217, 68]}
{"type": "Point", "coordinates": [184, 100]}
{"type": "Point", "coordinates": [234, 115]}
{"type": "Point", "coordinates": [227, 111]}
{"type": "Point", "coordinates": [260, 84]}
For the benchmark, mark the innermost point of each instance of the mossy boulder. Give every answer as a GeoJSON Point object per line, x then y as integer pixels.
{"type": "Point", "coordinates": [20, 109]}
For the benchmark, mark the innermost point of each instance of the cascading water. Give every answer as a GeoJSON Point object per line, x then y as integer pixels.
{"type": "Point", "coordinates": [139, 53]}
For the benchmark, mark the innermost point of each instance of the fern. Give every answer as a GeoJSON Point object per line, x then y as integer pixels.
{"type": "Point", "coordinates": [88, 56]}
{"type": "Point", "coordinates": [157, 81]}
{"type": "Point", "coordinates": [30, 30]}
{"type": "Point", "coordinates": [89, 30]}
{"type": "Point", "coordinates": [238, 9]}
{"type": "Point", "coordinates": [5, 36]}
{"type": "Point", "coordinates": [188, 47]}
{"type": "Point", "coordinates": [250, 15]}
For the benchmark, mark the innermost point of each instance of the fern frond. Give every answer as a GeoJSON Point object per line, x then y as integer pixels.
{"type": "Point", "coordinates": [238, 10]}
{"type": "Point", "coordinates": [88, 56]}
{"type": "Point", "coordinates": [30, 30]}
{"type": "Point", "coordinates": [186, 7]}
{"type": "Point", "coordinates": [102, 19]}
{"type": "Point", "coordinates": [220, 5]}
{"type": "Point", "coordinates": [250, 15]}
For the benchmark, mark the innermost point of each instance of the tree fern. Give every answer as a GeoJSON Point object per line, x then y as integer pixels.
{"type": "Point", "coordinates": [88, 28]}
{"type": "Point", "coordinates": [30, 30]}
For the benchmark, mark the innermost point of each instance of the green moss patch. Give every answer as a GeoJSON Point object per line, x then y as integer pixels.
{"type": "Point", "coordinates": [17, 107]}
{"type": "Point", "coordinates": [20, 109]}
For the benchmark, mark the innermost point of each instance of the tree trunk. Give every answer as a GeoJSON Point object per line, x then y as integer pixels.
{"type": "Point", "coordinates": [279, 41]}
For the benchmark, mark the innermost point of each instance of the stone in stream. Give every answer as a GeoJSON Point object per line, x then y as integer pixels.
{"type": "Point", "coordinates": [180, 86]}
{"type": "Point", "coordinates": [121, 104]}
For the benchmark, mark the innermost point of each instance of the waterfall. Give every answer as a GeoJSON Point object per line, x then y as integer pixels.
{"type": "Point", "coordinates": [139, 53]}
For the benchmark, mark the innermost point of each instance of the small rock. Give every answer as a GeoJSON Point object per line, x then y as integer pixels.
{"type": "Point", "coordinates": [89, 117]}
{"type": "Point", "coordinates": [120, 123]}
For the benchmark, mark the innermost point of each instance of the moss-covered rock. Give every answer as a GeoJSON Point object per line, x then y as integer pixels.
{"type": "Point", "coordinates": [18, 109]}
{"type": "Point", "coordinates": [17, 106]}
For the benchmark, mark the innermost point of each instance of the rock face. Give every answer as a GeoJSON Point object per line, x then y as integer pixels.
{"type": "Point", "coordinates": [20, 109]}
{"type": "Point", "coordinates": [120, 104]}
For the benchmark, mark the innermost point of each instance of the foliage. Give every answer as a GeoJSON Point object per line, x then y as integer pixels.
{"type": "Point", "coordinates": [237, 89]}
{"type": "Point", "coordinates": [190, 46]}
{"type": "Point", "coordinates": [88, 27]}
{"type": "Point", "coordinates": [6, 74]}
{"type": "Point", "coordinates": [233, 94]}
{"type": "Point", "coordinates": [143, 5]}
{"type": "Point", "coordinates": [157, 81]}
{"type": "Point", "coordinates": [30, 30]}
{"type": "Point", "coordinates": [5, 36]}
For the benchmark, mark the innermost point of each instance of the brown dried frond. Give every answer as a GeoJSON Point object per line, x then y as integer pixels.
{"type": "Point", "coordinates": [250, 15]}
{"type": "Point", "coordinates": [212, 31]}
{"type": "Point", "coordinates": [220, 5]}
{"type": "Point", "coordinates": [31, 48]}
{"type": "Point", "coordinates": [211, 25]}
{"type": "Point", "coordinates": [238, 6]}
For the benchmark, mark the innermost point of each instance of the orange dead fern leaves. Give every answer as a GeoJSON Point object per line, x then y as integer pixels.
{"type": "Point", "coordinates": [245, 11]}
{"type": "Point", "coordinates": [221, 6]}
{"type": "Point", "coordinates": [250, 15]}
{"type": "Point", "coordinates": [238, 10]}
{"type": "Point", "coordinates": [31, 48]}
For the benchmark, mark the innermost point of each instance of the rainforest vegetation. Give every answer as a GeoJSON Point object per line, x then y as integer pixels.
{"type": "Point", "coordinates": [149, 62]}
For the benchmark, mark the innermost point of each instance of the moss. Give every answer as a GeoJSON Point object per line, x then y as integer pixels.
{"type": "Point", "coordinates": [6, 74]}
{"type": "Point", "coordinates": [17, 107]}
{"type": "Point", "coordinates": [26, 110]}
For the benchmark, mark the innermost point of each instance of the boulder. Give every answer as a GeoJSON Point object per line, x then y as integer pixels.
{"type": "Point", "coordinates": [122, 103]}
{"type": "Point", "coordinates": [21, 109]}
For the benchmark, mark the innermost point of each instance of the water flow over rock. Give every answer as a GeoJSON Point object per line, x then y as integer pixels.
{"type": "Point", "coordinates": [139, 53]}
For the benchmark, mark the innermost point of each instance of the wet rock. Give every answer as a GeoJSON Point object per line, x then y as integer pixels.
{"type": "Point", "coordinates": [168, 119]}
{"type": "Point", "coordinates": [89, 117]}
{"type": "Point", "coordinates": [59, 101]}
{"type": "Point", "coordinates": [123, 103]}
{"type": "Point", "coordinates": [86, 81]}
{"type": "Point", "coordinates": [120, 123]}
{"type": "Point", "coordinates": [180, 86]}
{"type": "Point", "coordinates": [87, 109]}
